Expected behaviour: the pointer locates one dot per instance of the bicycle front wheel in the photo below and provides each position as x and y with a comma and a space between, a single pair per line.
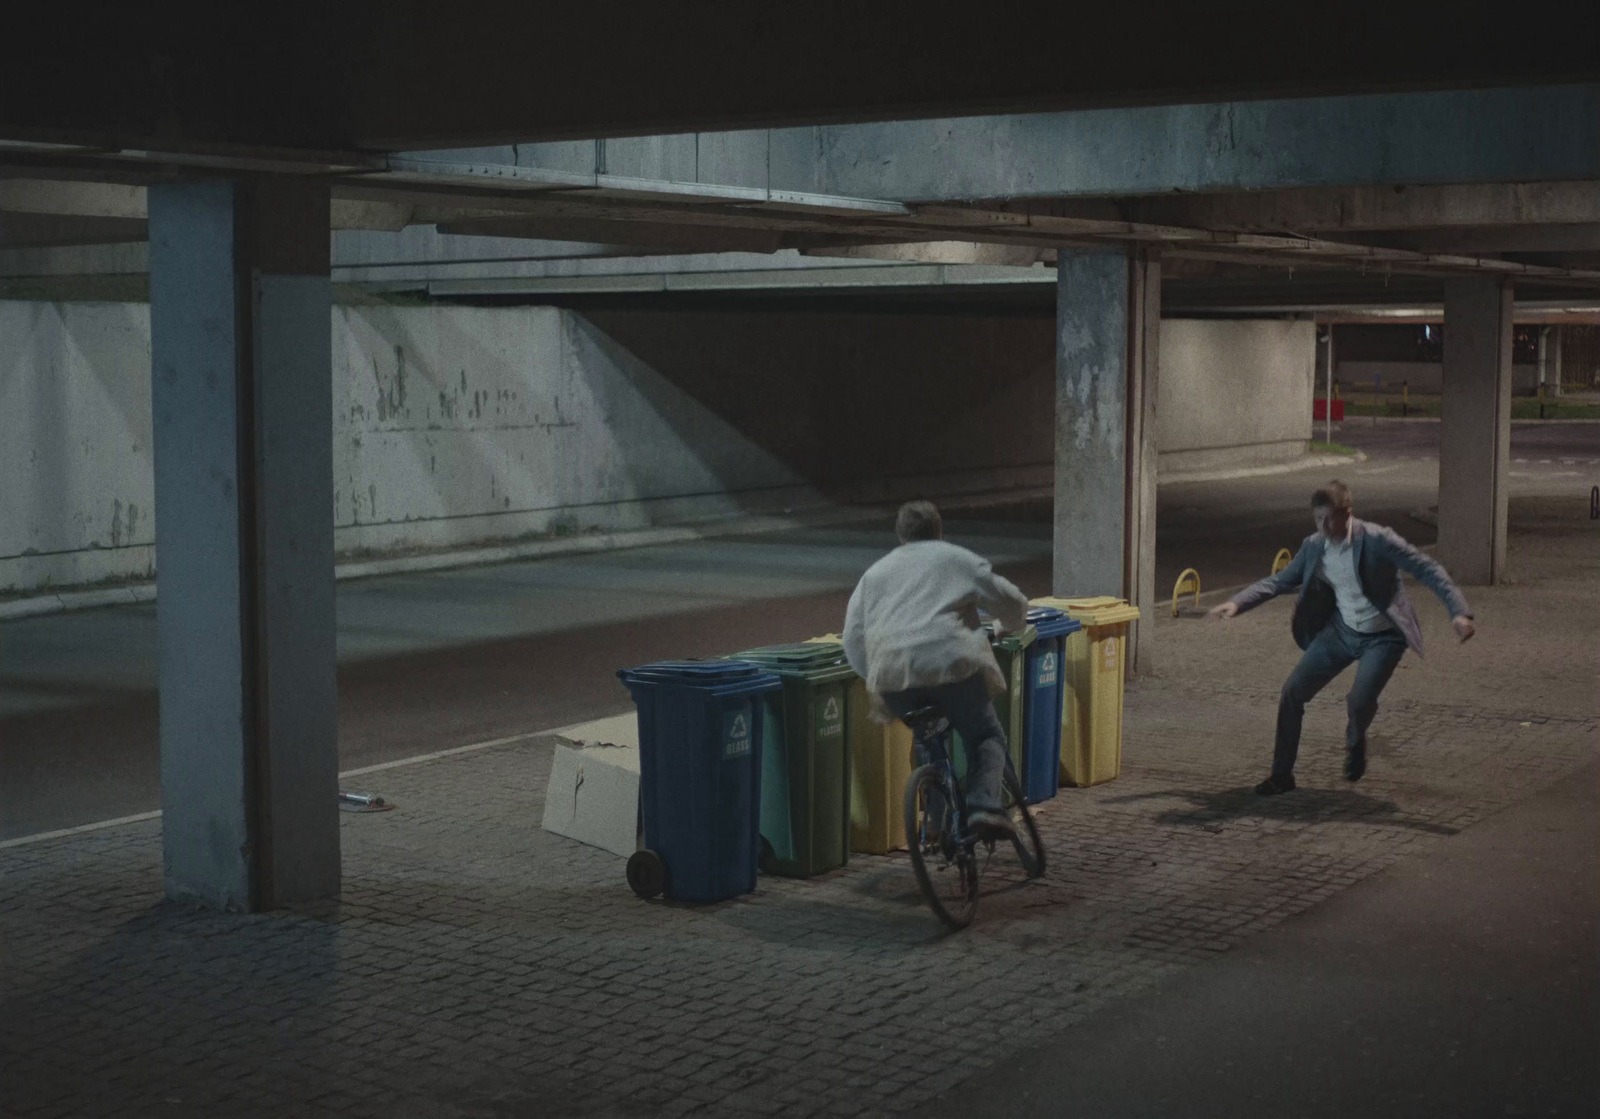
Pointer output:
946, 869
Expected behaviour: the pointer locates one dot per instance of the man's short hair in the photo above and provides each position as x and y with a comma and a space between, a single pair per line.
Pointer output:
1335, 495
918, 520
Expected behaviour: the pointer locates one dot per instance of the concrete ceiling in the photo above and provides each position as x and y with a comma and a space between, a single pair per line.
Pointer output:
1550, 223
389, 75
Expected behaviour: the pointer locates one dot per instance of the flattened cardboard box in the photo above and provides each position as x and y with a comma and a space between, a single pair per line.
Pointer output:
593, 795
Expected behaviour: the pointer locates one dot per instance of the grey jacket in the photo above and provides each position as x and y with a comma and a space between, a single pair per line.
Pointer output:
1380, 555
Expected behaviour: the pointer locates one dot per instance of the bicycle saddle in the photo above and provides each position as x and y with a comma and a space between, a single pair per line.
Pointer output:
923, 716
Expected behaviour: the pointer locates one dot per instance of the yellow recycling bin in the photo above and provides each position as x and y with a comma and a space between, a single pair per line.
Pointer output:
880, 767
1091, 716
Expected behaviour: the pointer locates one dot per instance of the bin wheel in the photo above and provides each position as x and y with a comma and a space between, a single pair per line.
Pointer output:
647, 874
767, 861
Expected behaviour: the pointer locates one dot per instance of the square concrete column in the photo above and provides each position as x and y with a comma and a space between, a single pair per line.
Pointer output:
1475, 429
1108, 319
241, 356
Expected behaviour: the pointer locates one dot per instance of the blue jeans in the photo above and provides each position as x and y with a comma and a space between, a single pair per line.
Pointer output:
1332, 651
967, 705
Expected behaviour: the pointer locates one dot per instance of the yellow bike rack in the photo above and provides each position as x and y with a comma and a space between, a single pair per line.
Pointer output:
1281, 560
1188, 581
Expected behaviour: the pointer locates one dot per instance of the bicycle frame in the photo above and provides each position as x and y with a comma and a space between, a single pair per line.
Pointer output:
933, 747
935, 776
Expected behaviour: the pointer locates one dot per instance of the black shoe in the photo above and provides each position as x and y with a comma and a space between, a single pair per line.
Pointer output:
1277, 783
1355, 764
984, 821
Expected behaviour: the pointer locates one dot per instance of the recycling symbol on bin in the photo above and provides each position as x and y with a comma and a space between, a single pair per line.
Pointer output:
1047, 669
738, 743
832, 725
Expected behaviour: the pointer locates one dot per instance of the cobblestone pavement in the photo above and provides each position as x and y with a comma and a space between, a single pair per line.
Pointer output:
478, 966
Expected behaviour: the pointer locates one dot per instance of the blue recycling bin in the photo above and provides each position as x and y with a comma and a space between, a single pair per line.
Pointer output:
1044, 674
702, 725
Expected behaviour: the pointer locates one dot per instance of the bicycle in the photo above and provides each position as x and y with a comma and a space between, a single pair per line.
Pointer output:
944, 851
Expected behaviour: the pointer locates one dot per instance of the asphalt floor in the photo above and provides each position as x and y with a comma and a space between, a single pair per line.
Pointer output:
1459, 982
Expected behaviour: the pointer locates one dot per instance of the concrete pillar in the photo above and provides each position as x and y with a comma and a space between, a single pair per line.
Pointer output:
241, 358
1544, 347
1475, 429
1108, 319
1555, 378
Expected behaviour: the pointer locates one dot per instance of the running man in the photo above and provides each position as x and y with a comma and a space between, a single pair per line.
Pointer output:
1351, 609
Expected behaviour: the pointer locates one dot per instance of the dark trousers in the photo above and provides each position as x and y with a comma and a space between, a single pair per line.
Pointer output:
1330, 653
971, 712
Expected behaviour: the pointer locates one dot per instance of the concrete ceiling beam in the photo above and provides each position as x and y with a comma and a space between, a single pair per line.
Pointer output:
30, 230
942, 252
1545, 134
1565, 238
351, 213
674, 216
75, 199
1376, 208
645, 237
62, 198
1533, 134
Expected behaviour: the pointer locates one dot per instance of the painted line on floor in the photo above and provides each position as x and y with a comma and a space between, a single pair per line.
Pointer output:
40, 837
415, 759
470, 748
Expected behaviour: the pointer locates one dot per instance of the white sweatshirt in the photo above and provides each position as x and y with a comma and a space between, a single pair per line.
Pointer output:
913, 619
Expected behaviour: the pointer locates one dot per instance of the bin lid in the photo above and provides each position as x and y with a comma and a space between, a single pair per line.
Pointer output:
1101, 611
693, 674
1009, 640
1051, 622
805, 658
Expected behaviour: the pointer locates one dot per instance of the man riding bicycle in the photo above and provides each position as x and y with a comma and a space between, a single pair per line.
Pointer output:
912, 632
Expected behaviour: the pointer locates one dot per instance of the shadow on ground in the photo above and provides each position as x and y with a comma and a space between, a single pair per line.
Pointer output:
1210, 808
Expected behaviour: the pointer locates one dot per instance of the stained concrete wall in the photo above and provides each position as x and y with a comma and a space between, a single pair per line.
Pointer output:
77, 486
456, 425
1234, 393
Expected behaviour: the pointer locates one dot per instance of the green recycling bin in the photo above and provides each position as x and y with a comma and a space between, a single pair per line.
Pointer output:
1010, 653
805, 776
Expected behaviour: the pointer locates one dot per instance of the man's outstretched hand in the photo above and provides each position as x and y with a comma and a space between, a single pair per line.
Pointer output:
1463, 627
1230, 609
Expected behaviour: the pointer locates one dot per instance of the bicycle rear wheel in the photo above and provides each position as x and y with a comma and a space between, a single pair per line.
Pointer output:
1025, 833
946, 870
